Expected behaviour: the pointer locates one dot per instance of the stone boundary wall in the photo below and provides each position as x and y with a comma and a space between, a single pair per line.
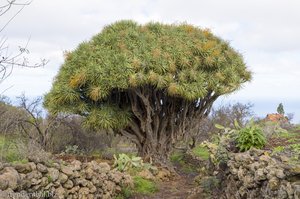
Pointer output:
61, 180
255, 174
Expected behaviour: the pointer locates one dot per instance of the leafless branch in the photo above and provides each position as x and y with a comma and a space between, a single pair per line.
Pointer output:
9, 3
9, 60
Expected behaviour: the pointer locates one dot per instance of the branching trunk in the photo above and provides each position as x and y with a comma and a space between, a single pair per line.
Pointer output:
159, 120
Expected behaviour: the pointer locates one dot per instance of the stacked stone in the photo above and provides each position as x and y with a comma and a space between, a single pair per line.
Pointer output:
255, 174
61, 180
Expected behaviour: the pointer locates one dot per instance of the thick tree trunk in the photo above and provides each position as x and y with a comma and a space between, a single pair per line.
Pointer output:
155, 152
160, 120
155, 149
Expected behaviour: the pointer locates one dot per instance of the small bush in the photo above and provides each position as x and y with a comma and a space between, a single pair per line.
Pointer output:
125, 193
278, 149
293, 140
124, 162
201, 152
271, 128
10, 151
143, 186
295, 148
250, 136
49, 179
176, 157
209, 183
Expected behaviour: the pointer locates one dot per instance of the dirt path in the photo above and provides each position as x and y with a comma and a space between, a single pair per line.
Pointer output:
183, 186
178, 188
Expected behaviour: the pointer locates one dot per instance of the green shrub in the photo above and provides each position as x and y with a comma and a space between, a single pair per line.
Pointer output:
295, 148
201, 152
271, 128
209, 183
250, 136
49, 179
278, 149
293, 140
218, 152
176, 157
10, 152
96, 153
126, 192
144, 186
284, 134
124, 162
141, 186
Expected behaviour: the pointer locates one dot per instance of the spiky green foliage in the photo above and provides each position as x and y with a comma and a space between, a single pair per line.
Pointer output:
151, 82
250, 136
144, 186
186, 61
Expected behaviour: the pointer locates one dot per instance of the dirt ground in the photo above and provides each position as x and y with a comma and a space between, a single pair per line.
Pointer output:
175, 189
178, 188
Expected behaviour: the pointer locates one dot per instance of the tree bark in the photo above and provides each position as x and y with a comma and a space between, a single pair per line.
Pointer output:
159, 121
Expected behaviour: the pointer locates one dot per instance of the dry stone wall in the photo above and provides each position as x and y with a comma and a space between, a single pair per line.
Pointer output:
61, 180
255, 174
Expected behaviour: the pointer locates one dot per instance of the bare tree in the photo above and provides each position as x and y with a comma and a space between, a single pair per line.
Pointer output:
224, 115
40, 131
290, 116
7, 5
9, 117
8, 59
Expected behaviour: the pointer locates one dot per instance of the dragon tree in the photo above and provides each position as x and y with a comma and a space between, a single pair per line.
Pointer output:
152, 83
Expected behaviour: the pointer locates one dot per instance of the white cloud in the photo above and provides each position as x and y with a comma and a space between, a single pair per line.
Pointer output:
265, 32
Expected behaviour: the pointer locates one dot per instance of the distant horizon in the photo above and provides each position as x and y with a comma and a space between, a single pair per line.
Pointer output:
263, 107
260, 107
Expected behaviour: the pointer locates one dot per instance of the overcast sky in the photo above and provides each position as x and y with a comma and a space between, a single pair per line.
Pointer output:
266, 32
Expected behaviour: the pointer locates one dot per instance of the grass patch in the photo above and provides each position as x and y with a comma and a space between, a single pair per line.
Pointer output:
293, 140
288, 135
96, 153
125, 193
201, 152
296, 128
21, 161
187, 168
294, 160
209, 184
176, 157
278, 149
295, 148
9, 151
284, 135
133, 171
143, 186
